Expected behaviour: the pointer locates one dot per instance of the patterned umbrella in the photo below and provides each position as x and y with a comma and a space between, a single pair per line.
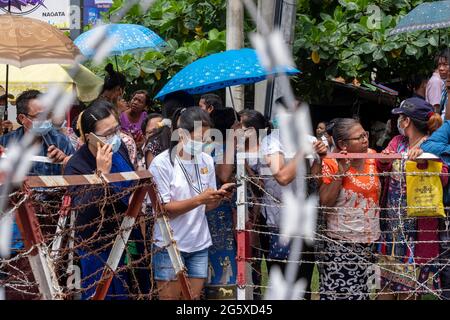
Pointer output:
26, 41
221, 70
427, 16
129, 38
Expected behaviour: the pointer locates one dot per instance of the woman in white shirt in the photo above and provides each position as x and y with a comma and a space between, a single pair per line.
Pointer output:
186, 181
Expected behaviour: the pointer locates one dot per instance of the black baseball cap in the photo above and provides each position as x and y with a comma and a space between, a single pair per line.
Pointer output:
416, 108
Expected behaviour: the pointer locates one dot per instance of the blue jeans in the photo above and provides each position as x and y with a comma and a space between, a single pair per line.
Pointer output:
196, 264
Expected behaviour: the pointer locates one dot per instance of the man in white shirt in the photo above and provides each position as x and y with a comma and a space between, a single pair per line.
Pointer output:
435, 85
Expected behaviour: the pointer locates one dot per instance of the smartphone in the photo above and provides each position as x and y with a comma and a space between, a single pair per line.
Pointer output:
93, 139
228, 186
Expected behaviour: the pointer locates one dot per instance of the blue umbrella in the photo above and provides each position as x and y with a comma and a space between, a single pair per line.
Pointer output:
221, 70
130, 38
427, 16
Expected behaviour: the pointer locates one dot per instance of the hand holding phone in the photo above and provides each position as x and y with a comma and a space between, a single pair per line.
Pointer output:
226, 190
93, 139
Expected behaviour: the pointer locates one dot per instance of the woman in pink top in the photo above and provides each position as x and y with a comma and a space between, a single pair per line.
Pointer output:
131, 119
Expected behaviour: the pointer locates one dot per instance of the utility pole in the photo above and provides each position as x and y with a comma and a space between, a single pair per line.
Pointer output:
235, 40
287, 28
266, 10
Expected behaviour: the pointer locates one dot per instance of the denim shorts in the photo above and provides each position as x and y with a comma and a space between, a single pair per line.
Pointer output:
196, 264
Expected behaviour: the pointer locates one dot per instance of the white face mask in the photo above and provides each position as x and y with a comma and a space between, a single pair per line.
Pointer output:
400, 129
193, 147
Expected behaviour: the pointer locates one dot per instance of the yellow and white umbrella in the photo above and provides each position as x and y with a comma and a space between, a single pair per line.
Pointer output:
42, 76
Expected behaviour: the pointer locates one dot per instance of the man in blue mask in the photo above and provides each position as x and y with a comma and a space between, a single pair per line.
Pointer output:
54, 145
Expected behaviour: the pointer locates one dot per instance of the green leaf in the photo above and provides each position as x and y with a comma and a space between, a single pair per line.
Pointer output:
411, 50
388, 46
215, 46
173, 44
368, 47
433, 41
213, 34
148, 67
378, 55
422, 42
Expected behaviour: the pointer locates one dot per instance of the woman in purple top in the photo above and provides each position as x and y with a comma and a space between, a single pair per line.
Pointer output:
131, 119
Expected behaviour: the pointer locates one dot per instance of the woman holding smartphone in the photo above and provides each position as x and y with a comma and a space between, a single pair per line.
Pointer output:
186, 180
103, 152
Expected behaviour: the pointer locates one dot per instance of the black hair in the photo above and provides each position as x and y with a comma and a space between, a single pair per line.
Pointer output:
224, 119
176, 100
145, 93
443, 54
98, 110
417, 80
23, 99
255, 119
149, 117
185, 119
330, 125
113, 79
212, 99
341, 127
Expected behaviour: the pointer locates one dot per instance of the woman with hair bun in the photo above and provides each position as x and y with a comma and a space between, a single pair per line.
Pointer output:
113, 86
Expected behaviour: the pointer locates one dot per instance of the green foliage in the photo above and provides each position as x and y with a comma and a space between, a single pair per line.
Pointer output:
350, 39
193, 29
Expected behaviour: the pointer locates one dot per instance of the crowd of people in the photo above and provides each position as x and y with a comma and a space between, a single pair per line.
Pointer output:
364, 213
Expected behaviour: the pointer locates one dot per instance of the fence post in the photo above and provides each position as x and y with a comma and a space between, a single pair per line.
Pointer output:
119, 244
40, 261
172, 249
244, 292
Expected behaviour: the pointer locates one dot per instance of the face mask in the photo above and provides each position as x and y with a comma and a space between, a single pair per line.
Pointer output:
63, 125
193, 147
276, 123
41, 128
115, 143
400, 129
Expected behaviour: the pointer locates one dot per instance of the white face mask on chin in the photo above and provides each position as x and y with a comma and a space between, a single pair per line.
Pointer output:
400, 129
193, 147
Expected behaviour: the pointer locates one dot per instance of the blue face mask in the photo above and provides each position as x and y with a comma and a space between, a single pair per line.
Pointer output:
115, 143
41, 128
276, 123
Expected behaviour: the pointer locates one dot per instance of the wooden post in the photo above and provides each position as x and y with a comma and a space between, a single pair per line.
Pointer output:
120, 243
235, 40
163, 223
287, 28
40, 261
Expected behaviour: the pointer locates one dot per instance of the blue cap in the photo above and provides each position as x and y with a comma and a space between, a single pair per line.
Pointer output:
416, 108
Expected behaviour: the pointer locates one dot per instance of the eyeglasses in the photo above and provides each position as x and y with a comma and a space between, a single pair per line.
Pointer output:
109, 133
361, 138
33, 116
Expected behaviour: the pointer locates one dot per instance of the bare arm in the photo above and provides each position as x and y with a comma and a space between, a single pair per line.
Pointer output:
210, 198
288, 172
328, 193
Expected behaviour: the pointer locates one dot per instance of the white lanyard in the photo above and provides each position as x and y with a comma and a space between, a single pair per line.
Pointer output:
198, 189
